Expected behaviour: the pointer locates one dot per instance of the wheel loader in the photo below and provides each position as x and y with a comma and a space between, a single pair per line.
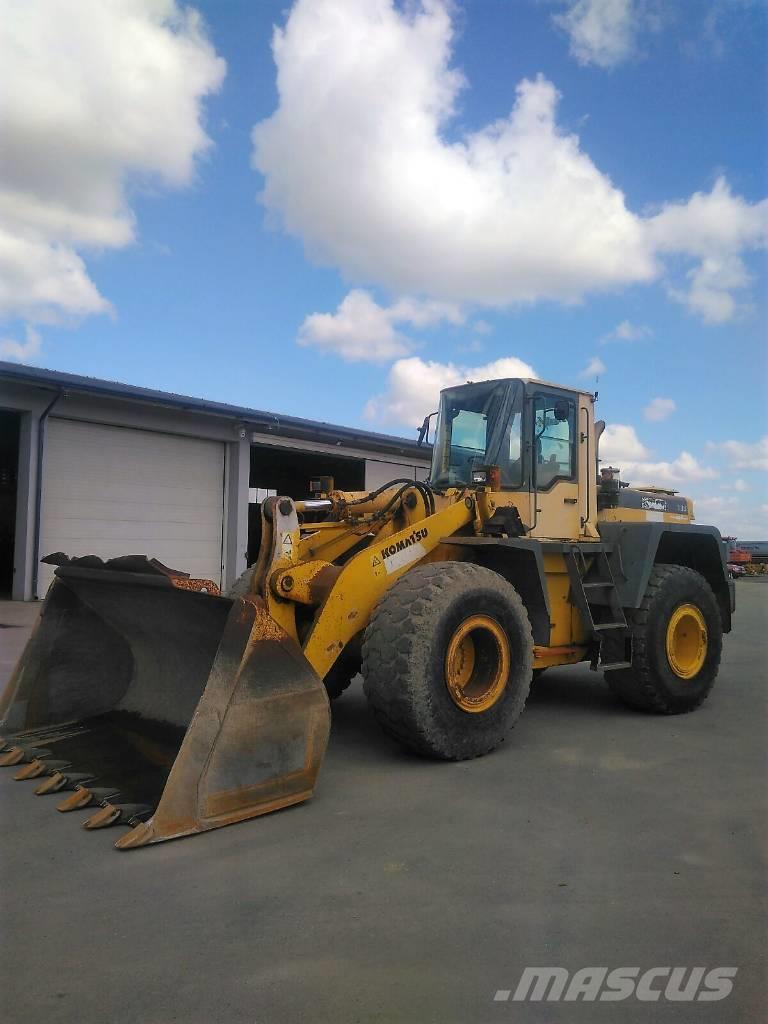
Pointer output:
160, 704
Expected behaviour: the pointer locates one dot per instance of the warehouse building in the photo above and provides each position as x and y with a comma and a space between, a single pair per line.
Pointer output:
95, 467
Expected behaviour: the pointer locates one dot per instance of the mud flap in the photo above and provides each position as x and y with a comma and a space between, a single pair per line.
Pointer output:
176, 710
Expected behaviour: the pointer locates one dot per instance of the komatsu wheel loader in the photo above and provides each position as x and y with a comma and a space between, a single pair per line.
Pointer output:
174, 709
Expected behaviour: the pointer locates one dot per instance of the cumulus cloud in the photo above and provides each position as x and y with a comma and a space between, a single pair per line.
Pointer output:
626, 331
600, 32
620, 446
677, 471
743, 454
732, 515
94, 94
593, 368
619, 443
358, 162
362, 160
21, 351
361, 329
713, 228
413, 386
659, 409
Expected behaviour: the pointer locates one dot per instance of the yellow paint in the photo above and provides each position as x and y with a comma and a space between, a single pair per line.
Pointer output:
640, 515
568, 511
367, 576
477, 664
686, 641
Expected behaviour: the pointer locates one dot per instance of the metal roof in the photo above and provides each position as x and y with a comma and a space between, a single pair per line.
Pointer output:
257, 420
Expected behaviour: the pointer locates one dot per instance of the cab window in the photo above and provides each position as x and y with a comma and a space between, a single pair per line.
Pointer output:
554, 427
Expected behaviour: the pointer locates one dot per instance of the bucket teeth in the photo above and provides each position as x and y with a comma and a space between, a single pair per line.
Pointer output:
14, 756
18, 754
63, 780
108, 814
112, 814
84, 796
31, 770
52, 784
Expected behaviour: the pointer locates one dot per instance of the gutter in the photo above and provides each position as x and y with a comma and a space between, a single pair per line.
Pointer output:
39, 490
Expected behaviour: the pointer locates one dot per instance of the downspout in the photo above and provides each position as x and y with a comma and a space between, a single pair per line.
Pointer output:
39, 491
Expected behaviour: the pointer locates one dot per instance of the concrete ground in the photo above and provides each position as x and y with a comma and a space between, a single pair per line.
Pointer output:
410, 891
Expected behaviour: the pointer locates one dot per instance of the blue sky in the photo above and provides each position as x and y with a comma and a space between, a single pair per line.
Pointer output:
433, 189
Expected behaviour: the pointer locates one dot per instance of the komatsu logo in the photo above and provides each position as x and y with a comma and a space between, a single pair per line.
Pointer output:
406, 542
400, 553
654, 504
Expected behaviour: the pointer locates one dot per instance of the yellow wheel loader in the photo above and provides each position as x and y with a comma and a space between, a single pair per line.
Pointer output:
165, 706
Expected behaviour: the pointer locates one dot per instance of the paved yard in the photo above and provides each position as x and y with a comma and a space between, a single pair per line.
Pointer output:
411, 891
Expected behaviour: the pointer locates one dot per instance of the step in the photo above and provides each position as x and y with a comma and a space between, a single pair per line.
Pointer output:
600, 626
609, 666
599, 584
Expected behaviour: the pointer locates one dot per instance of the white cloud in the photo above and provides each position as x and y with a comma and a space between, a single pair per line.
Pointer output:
620, 446
357, 162
593, 368
659, 409
482, 327
413, 386
21, 351
619, 443
742, 454
94, 94
678, 471
601, 32
362, 159
732, 515
361, 329
626, 331
713, 228
737, 485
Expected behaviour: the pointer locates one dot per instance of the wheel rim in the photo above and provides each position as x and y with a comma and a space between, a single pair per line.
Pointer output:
477, 664
686, 641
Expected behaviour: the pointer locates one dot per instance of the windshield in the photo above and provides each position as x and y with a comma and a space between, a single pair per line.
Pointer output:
478, 425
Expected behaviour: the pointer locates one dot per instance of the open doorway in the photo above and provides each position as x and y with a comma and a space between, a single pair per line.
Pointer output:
9, 471
285, 471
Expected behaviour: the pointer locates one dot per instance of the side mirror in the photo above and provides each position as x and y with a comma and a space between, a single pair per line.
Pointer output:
424, 429
561, 411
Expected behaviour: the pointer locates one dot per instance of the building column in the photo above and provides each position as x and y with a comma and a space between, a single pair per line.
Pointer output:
24, 544
238, 471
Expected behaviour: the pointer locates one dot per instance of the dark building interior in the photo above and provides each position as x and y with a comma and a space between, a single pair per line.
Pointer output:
289, 472
9, 466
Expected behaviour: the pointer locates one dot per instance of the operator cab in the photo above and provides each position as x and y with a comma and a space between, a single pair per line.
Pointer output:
526, 428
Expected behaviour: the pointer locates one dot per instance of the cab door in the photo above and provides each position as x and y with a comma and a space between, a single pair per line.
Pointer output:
556, 501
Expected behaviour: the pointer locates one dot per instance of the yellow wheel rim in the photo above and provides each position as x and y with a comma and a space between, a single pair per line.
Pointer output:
686, 641
477, 664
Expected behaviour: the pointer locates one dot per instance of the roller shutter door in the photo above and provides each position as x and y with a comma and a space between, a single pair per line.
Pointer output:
113, 490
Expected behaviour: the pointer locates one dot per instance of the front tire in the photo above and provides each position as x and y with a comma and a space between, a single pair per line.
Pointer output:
677, 640
447, 660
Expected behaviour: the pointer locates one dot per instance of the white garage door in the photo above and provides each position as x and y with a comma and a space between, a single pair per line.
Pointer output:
114, 491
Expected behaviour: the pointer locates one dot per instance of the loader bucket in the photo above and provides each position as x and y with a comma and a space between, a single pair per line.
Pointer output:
165, 709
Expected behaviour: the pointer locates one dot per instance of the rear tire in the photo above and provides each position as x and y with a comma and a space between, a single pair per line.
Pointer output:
448, 622
342, 672
677, 639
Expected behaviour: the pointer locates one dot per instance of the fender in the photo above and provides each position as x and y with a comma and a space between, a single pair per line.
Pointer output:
521, 562
637, 547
